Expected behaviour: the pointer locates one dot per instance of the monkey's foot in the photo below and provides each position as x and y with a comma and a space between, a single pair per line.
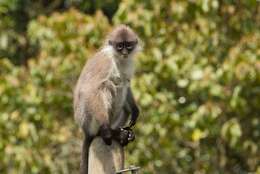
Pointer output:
106, 134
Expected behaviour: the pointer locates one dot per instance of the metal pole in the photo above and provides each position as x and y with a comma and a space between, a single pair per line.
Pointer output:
132, 169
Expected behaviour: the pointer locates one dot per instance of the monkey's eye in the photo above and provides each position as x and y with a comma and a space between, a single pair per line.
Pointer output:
129, 47
119, 46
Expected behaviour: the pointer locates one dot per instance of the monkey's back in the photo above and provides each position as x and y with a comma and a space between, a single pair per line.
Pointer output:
93, 75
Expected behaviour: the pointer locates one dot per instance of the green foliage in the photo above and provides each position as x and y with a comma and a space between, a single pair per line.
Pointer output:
36, 122
16, 15
197, 83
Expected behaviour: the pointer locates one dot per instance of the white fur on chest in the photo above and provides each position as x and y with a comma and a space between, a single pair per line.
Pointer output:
122, 68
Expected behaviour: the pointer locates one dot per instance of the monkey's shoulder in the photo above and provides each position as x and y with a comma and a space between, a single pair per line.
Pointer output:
97, 67
101, 61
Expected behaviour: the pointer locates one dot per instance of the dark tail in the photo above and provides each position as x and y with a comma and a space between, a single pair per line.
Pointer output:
84, 155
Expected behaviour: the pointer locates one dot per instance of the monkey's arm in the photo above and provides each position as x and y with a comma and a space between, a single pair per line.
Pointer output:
132, 107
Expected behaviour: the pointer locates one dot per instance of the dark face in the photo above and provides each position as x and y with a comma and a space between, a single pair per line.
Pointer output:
123, 40
123, 47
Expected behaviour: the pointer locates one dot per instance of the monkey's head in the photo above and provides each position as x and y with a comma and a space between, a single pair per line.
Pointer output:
124, 41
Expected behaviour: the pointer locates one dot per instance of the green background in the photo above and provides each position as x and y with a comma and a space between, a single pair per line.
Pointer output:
197, 83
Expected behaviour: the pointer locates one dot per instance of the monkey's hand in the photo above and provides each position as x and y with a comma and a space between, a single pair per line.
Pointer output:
131, 135
106, 134
124, 136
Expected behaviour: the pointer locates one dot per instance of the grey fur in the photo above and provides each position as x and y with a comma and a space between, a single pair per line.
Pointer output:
102, 95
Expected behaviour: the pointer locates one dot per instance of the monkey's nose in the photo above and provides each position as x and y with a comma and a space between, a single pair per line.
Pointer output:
124, 52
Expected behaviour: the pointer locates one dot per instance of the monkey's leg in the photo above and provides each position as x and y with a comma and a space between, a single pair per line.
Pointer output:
106, 133
99, 108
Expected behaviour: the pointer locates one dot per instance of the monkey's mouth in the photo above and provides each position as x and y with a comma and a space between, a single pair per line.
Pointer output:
124, 56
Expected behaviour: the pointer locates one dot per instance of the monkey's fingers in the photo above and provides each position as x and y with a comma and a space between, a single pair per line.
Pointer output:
131, 136
126, 137
130, 133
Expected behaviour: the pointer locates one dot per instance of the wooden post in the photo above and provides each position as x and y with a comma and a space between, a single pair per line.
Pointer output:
104, 159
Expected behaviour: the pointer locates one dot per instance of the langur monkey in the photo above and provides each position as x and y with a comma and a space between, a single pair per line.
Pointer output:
103, 99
